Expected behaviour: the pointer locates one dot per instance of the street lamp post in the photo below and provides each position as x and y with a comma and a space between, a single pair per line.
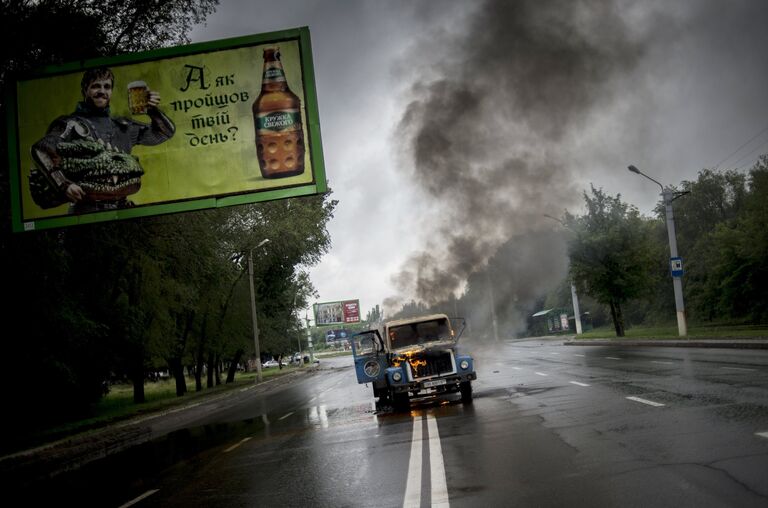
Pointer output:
576, 311
574, 295
253, 311
493, 309
668, 195
309, 344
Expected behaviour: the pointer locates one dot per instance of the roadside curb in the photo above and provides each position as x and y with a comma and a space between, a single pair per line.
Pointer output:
699, 343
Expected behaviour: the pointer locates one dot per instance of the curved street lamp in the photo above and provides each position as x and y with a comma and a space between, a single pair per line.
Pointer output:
676, 262
253, 310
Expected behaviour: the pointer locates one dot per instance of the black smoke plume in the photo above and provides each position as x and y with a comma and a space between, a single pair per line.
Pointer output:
486, 128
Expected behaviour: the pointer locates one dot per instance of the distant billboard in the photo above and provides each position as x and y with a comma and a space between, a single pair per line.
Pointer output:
334, 313
176, 129
336, 335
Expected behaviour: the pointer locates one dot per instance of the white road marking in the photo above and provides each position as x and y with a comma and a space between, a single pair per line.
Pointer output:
738, 368
612, 358
236, 445
554, 353
662, 363
439, 493
143, 496
517, 368
646, 401
437, 467
541, 374
413, 485
762, 434
318, 416
577, 383
578, 354
285, 416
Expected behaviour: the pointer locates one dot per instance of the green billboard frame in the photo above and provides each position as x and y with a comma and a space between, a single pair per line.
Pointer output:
317, 185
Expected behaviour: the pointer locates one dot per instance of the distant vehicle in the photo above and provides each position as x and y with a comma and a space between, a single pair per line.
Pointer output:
413, 358
269, 363
297, 358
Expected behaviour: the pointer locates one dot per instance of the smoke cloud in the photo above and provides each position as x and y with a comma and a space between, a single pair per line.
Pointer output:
487, 130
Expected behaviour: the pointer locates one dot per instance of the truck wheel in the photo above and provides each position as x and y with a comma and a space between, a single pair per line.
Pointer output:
400, 401
465, 387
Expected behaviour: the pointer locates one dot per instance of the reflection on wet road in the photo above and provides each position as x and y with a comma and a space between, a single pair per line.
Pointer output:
550, 426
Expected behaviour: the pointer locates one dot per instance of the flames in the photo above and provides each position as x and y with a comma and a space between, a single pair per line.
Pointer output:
409, 357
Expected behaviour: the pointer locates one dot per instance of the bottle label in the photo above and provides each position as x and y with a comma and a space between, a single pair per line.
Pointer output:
273, 74
278, 121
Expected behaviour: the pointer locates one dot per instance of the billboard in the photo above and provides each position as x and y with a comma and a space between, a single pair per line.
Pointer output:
336, 335
206, 125
334, 313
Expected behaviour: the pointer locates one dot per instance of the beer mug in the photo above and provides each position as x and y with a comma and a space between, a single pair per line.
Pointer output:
138, 97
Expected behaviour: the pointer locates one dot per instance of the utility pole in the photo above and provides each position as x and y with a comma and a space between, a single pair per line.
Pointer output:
254, 323
309, 342
493, 309
576, 313
676, 262
574, 295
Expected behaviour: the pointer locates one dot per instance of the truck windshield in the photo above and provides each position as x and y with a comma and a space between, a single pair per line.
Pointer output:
413, 334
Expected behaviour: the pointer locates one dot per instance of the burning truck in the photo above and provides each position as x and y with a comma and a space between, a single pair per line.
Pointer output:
413, 358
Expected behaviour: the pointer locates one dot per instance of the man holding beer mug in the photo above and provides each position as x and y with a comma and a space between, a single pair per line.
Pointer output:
85, 156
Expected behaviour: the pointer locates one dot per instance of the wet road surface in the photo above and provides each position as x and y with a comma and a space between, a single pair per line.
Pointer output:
551, 425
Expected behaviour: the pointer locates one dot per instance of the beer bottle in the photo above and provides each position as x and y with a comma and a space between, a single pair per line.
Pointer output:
277, 119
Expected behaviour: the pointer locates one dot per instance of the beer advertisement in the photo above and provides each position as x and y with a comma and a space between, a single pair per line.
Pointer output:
334, 313
206, 125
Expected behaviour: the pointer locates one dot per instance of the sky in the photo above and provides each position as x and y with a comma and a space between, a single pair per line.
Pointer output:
450, 128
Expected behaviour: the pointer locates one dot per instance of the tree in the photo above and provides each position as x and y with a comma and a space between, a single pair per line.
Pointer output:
715, 198
118, 298
613, 256
736, 260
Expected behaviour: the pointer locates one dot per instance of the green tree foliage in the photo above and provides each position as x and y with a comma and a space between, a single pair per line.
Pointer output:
139, 25
712, 200
732, 271
714, 197
64, 333
612, 253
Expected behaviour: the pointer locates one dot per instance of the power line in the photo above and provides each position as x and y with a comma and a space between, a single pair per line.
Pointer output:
753, 151
752, 160
742, 146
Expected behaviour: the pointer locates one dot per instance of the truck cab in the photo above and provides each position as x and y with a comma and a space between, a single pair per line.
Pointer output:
411, 358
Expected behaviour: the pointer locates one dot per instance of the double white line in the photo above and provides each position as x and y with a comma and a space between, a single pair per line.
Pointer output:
439, 494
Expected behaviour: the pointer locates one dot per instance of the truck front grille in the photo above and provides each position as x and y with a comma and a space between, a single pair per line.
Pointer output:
431, 364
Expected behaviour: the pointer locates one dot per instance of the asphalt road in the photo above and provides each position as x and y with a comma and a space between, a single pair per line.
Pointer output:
551, 425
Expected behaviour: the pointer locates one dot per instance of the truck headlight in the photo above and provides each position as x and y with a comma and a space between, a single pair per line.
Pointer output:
397, 376
464, 364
